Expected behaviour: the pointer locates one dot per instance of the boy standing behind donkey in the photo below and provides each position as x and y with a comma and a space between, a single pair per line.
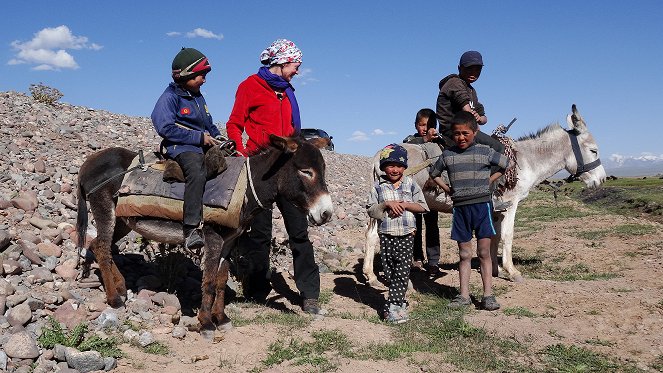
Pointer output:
394, 199
468, 164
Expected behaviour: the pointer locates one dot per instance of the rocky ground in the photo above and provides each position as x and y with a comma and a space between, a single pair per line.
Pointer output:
593, 280
44, 148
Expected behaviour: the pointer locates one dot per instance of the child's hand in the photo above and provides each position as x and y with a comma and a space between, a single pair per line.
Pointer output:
431, 134
208, 140
394, 208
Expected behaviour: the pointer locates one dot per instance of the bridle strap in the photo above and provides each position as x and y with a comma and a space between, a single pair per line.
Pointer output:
582, 166
251, 183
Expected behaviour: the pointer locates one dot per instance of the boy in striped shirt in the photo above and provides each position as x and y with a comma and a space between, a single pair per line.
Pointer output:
468, 165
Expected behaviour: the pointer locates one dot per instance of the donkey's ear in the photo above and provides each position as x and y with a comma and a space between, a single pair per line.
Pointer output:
288, 145
320, 142
575, 121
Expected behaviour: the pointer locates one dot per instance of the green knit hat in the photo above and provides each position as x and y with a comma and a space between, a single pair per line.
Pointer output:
188, 64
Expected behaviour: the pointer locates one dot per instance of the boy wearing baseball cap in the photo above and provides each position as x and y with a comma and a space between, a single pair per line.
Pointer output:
457, 94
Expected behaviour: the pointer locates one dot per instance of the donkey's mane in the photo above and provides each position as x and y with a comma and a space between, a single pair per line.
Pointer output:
550, 128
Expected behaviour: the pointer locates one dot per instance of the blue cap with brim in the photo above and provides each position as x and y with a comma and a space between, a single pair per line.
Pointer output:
471, 58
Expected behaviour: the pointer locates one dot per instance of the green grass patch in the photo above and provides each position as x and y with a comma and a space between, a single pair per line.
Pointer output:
599, 342
548, 213
592, 235
537, 267
78, 338
564, 358
315, 354
627, 230
629, 197
157, 348
657, 363
287, 319
519, 312
325, 296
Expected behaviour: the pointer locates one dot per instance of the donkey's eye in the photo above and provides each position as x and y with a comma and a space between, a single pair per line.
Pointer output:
307, 173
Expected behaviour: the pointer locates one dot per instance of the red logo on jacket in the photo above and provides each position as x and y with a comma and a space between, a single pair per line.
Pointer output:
185, 111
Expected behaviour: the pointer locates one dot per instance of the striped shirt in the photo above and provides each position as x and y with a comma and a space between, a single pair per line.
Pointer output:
469, 172
408, 191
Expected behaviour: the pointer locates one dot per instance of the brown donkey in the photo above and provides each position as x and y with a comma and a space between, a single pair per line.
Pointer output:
290, 167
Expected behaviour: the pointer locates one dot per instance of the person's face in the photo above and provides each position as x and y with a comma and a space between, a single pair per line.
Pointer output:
470, 74
394, 172
463, 135
289, 70
422, 126
193, 85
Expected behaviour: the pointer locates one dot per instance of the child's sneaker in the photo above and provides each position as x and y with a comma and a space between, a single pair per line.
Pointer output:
395, 314
489, 303
460, 302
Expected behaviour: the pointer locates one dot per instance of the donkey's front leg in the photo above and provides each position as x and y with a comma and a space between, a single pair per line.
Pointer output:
219, 307
372, 241
507, 231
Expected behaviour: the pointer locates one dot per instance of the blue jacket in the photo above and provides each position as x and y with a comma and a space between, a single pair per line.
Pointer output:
181, 119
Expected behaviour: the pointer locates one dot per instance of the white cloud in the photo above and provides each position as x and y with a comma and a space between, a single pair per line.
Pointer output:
48, 49
358, 136
173, 33
379, 132
203, 33
304, 76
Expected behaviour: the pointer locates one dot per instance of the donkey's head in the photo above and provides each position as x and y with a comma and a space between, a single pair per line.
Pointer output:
301, 178
584, 162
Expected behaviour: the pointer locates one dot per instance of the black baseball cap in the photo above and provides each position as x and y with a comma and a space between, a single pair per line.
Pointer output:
471, 58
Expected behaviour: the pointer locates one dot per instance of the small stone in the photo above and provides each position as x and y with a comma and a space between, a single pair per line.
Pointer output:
19, 315
179, 332
86, 361
26, 201
21, 346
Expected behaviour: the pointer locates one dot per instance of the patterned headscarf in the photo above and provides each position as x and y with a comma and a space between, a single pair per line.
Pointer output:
281, 51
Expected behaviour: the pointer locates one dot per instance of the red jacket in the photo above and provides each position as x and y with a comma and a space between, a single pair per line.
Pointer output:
260, 112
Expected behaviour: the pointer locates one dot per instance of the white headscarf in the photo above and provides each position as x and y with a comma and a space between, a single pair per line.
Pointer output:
281, 51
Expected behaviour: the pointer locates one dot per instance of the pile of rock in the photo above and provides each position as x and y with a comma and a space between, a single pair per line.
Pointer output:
44, 148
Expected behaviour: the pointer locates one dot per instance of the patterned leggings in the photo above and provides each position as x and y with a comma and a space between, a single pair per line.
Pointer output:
396, 256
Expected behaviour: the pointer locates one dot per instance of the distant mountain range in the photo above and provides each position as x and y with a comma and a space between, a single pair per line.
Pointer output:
630, 166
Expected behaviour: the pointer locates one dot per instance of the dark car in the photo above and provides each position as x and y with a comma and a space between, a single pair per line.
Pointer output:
312, 133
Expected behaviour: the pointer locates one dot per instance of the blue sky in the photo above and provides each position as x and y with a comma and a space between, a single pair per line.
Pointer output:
368, 65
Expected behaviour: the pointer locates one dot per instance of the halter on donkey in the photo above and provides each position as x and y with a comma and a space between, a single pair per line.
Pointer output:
538, 157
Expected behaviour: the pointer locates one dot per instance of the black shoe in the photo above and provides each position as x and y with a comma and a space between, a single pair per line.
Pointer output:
194, 240
312, 306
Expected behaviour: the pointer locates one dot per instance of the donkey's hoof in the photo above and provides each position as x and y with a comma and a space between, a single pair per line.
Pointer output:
373, 282
207, 334
225, 326
116, 302
518, 278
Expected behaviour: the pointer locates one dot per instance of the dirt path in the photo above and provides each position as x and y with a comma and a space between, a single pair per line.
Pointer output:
594, 281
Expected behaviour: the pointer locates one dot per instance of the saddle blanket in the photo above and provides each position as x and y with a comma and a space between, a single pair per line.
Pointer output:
144, 193
218, 191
